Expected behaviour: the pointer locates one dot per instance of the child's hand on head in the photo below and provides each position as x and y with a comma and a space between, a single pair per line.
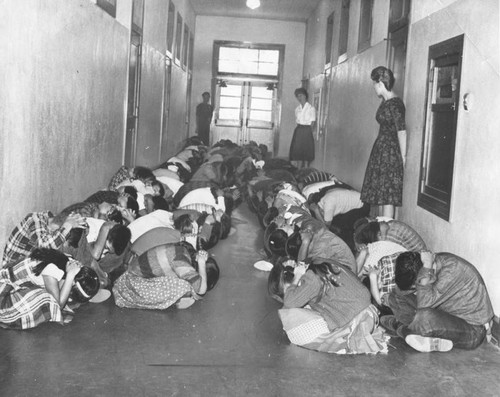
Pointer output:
73, 268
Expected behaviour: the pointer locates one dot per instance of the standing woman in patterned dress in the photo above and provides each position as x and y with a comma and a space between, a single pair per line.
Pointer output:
302, 146
383, 184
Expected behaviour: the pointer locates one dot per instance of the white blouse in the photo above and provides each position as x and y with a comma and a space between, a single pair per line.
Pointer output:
305, 115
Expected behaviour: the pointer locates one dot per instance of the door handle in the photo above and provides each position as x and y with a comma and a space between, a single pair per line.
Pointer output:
241, 123
246, 124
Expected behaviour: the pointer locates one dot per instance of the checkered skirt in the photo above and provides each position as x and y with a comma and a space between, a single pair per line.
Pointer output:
24, 304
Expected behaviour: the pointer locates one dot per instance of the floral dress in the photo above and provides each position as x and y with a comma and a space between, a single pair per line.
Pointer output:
383, 184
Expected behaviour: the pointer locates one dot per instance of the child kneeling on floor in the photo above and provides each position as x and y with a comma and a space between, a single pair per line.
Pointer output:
164, 275
326, 308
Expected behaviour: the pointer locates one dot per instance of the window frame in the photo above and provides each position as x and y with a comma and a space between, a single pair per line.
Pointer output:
396, 23
178, 39
365, 43
191, 52
330, 26
138, 16
255, 46
185, 47
171, 27
439, 204
109, 6
345, 11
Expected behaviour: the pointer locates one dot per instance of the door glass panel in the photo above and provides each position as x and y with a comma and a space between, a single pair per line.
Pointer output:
230, 102
441, 152
438, 152
229, 114
262, 92
132, 79
446, 84
262, 104
261, 115
231, 90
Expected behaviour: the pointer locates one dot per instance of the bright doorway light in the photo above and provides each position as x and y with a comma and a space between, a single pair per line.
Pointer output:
253, 4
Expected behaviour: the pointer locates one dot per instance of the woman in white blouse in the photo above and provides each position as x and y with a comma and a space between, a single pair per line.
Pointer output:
302, 146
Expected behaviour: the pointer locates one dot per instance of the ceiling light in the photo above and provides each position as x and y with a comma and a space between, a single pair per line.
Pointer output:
253, 4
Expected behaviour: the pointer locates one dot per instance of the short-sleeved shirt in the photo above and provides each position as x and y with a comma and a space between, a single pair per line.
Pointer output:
316, 187
202, 196
158, 218
305, 115
173, 184
339, 201
387, 275
50, 270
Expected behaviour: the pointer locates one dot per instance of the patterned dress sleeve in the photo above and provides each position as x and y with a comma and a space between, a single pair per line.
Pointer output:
397, 109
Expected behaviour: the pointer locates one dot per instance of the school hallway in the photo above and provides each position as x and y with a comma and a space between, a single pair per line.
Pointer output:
91, 86
229, 344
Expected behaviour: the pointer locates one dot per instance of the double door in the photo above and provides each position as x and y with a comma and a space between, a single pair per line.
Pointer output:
246, 111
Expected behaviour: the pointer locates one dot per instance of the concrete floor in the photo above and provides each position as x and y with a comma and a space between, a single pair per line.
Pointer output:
229, 344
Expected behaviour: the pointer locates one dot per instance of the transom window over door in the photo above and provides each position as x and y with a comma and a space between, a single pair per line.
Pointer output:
443, 92
248, 61
246, 92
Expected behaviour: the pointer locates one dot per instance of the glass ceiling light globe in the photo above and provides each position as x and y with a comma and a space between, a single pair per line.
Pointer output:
253, 4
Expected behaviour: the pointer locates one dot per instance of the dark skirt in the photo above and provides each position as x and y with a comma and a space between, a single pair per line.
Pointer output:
302, 146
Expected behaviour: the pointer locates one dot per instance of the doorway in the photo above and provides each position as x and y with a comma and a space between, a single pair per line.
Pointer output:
398, 38
134, 81
246, 91
246, 111
167, 84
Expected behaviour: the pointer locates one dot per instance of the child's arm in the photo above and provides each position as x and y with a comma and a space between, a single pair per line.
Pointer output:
202, 257
61, 295
374, 286
306, 237
361, 259
97, 248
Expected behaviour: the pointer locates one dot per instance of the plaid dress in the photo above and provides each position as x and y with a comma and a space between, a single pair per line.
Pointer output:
24, 303
32, 232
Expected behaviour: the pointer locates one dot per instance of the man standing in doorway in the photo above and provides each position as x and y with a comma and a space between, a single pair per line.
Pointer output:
204, 112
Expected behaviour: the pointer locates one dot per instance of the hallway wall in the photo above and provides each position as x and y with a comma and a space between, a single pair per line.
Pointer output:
291, 34
473, 229
64, 78
149, 137
351, 127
